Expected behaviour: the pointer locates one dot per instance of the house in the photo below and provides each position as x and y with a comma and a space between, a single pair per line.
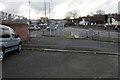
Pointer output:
98, 19
18, 23
116, 19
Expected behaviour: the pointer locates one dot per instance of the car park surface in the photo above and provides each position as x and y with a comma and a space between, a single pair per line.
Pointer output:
40, 64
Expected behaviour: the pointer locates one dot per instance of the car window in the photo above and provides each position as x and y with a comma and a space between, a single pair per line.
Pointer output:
6, 32
1, 32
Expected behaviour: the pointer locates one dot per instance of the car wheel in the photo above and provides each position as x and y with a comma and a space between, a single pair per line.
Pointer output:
2, 54
19, 47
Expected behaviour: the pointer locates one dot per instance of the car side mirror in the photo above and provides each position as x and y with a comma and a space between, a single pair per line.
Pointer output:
17, 36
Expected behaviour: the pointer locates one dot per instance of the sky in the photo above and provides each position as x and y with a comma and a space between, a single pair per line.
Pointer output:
58, 8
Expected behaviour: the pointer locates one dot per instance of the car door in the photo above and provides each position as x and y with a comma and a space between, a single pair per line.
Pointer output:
1, 33
14, 40
6, 39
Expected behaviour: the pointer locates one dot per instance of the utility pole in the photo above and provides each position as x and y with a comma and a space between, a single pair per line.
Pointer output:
29, 21
109, 26
1, 16
49, 13
49, 16
45, 7
49, 10
29, 12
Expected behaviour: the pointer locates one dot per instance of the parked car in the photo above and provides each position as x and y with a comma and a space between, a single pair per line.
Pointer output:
69, 24
34, 27
53, 28
117, 28
9, 41
43, 24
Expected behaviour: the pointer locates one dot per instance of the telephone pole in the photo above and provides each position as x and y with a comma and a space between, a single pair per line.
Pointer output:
29, 21
45, 7
49, 10
29, 12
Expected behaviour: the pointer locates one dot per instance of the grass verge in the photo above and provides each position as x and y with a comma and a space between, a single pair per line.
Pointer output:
61, 35
116, 40
69, 51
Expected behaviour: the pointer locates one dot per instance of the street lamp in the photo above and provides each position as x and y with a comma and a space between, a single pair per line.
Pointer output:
29, 21
49, 10
45, 7
1, 17
29, 12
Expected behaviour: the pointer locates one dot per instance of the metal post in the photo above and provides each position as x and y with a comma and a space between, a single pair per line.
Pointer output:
29, 13
49, 18
1, 17
49, 10
50, 31
45, 7
108, 27
29, 22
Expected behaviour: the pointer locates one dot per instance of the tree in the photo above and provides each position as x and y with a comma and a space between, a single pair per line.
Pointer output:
102, 12
119, 7
71, 14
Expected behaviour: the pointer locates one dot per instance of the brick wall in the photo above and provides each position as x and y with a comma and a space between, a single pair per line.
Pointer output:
20, 29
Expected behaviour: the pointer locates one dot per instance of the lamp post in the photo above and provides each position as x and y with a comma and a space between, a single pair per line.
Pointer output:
1, 17
49, 18
109, 25
45, 7
49, 10
29, 22
29, 13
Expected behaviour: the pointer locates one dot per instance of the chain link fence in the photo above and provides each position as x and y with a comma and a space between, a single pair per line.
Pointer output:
83, 34
106, 35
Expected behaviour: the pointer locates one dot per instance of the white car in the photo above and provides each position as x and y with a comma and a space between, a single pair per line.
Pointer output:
48, 28
9, 41
43, 24
34, 27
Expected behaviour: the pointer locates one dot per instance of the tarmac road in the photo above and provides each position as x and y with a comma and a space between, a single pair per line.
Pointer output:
35, 64
75, 44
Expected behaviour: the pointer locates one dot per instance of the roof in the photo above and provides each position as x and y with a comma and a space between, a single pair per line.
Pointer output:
3, 26
117, 17
98, 18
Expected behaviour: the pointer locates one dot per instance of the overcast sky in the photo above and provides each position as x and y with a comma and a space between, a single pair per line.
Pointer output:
58, 8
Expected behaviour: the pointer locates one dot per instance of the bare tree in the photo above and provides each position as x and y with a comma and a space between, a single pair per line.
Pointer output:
102, 12
68, 15
119, 7
71, 14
